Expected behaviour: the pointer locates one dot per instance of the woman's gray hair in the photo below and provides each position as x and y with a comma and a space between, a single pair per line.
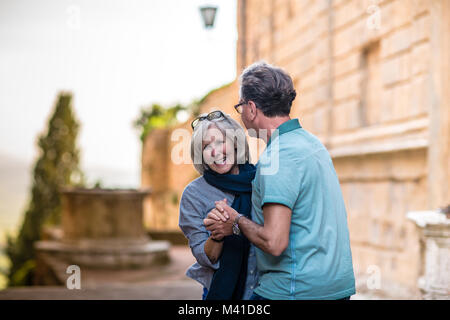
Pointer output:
269, 87
230, 129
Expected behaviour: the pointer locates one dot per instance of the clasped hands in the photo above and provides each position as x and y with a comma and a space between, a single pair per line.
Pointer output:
220, 220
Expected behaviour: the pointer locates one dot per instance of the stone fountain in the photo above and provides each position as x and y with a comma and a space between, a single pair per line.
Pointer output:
103, 228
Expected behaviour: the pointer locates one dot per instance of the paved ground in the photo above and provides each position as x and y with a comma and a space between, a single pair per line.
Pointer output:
167, 282
158, 283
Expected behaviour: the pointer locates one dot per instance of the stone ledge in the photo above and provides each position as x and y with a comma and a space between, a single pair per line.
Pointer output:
363, 149
381, 131
174, 237
103, 255
425, 218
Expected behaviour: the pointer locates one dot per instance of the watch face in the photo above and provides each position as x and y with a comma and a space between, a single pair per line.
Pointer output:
236, 230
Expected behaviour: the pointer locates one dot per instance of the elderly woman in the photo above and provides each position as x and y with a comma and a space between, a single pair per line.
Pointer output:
226, 267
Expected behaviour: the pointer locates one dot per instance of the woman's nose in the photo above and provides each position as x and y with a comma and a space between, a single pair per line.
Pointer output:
213, 152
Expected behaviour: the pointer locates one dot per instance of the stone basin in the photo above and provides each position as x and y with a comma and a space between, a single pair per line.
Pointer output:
103, 228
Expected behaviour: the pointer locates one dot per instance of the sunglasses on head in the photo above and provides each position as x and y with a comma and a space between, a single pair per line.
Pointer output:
210, 116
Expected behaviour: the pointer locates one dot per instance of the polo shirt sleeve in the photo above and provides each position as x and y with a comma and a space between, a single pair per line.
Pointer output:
281, 185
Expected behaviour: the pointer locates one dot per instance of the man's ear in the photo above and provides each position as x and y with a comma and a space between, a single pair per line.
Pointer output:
253, 110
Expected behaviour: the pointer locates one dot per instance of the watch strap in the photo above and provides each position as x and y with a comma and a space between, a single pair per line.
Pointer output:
236, 229
236, 220
219, 241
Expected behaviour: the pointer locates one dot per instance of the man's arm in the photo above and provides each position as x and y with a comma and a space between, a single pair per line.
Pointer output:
272, 237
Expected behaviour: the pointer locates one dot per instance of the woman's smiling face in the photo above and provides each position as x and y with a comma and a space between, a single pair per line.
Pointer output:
218, 152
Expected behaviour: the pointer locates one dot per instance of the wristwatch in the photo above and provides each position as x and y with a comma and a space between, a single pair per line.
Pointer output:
236, 230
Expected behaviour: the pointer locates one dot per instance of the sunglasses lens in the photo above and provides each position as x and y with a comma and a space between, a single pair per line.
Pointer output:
214, 115
210, 116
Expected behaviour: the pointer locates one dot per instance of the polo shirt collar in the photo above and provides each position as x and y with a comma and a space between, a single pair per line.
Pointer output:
286, 127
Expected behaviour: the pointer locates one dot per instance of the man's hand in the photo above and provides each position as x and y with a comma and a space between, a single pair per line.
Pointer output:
219, 229
220, 220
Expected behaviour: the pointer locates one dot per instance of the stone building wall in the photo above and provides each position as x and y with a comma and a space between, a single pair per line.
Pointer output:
372, 81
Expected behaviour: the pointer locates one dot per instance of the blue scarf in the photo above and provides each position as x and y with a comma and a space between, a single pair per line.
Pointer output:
228, 282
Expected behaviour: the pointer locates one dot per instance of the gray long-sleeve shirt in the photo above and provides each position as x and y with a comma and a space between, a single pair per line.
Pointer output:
196, 202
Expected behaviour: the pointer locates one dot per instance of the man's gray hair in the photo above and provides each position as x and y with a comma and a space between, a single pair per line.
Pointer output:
269, 87
230, 129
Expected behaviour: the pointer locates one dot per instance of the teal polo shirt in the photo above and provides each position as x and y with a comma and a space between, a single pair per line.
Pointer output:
296, 170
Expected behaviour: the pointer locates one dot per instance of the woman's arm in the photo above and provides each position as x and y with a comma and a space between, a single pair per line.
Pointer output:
213, 249
190, 223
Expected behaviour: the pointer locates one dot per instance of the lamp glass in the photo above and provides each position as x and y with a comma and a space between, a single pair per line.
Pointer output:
208, 15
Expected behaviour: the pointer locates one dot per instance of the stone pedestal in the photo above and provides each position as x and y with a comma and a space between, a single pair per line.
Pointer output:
103, 228
435, 233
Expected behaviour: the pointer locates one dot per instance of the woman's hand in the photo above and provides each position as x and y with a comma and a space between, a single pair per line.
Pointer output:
218, 213
225, 210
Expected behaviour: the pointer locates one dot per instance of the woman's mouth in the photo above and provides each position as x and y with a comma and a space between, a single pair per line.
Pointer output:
220, 162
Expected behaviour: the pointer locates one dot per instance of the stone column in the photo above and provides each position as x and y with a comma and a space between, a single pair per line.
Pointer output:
434, 226
155, 175
439, 129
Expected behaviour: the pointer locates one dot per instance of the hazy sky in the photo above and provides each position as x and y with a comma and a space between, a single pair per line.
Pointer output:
115, 56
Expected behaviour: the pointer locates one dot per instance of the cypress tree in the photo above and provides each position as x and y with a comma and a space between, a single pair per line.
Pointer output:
57, 166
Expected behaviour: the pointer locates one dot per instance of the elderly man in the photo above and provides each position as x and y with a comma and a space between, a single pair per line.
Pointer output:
300, 223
